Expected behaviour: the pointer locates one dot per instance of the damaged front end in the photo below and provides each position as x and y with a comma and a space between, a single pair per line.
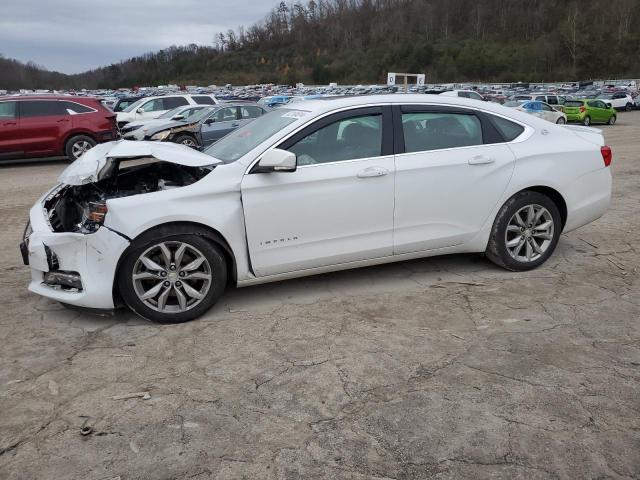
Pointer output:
74, 260
83, 208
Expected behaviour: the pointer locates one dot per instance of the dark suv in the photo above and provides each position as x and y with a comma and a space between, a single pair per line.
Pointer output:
46, 126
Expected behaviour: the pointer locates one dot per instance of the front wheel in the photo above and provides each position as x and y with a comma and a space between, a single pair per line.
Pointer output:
172, 279
612, 120
561, 121
525, 232
187, 140
587, 121
628, 107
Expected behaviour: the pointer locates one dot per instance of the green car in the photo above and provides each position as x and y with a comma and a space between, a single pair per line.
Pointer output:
589, 111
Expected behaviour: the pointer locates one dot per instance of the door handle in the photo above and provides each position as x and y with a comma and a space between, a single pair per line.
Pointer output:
8, 124
235, 124
481, 160
63, 120
371, 172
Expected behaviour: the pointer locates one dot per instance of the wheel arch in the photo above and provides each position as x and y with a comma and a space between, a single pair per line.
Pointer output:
173, 228
554, 195
76, 133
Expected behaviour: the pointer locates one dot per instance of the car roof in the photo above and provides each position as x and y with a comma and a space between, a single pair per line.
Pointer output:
319, 107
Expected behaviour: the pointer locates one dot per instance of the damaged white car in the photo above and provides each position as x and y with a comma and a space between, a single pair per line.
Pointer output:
328, 185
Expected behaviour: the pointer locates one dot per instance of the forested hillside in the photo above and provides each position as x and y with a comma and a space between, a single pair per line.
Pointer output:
358, 41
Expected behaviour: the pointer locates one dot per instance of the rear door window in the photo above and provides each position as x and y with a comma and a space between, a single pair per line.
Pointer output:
435, 131
41, 108
173, 102
8, 110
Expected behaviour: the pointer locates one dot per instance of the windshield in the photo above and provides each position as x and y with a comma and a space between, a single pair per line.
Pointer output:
134, 105
573, 103
172, 113
198, 114
242, 141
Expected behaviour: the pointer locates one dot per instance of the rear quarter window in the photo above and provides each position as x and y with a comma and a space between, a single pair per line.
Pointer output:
508, 129
73, 108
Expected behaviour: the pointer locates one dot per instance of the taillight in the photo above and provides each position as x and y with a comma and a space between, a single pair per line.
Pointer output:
607, 155
583, 109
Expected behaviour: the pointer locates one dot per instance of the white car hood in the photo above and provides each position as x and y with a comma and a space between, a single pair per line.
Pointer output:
88, 168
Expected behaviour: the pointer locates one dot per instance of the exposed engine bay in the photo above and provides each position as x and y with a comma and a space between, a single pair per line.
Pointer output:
82, 208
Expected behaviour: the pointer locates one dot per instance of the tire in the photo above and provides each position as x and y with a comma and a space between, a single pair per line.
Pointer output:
186, 140
498, 249
612, 120
173, 296
628, 107
78, 145
586, 121
561, 121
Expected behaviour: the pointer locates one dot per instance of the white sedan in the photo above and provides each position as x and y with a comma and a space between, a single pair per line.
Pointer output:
314, 187
539, 109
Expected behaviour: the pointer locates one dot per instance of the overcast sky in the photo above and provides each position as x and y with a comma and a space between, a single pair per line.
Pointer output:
72, 36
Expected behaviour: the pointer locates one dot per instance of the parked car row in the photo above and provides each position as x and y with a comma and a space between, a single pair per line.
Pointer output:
175, 114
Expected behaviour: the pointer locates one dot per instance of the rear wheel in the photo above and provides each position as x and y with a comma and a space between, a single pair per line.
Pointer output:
525, 232
78, 145
587, 121
173, 279
561, 121
628, 107
612, 120
187, 140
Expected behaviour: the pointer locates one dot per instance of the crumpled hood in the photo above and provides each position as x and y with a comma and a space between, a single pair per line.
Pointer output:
88, 168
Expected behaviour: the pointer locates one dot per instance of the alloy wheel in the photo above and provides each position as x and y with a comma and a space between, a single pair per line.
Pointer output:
189, 142
529, 233
172, 277
80, 148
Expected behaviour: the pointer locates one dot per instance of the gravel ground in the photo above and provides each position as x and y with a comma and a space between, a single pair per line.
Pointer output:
443, 368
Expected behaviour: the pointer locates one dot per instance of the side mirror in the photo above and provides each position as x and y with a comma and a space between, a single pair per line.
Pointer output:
178, 117
140, 110
209, 121
276, 160
608, 105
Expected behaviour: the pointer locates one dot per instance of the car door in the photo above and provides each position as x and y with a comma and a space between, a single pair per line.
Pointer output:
150, 109
219, 124
336, 208
42, 125
548, 113
452, 167
10, 136
602, 110
534, 108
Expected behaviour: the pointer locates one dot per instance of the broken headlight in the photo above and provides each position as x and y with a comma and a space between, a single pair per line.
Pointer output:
161, 135
93, 215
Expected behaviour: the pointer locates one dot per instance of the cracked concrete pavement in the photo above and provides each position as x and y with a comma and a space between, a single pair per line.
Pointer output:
443, 368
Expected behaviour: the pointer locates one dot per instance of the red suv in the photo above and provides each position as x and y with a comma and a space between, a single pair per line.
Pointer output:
46, 126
